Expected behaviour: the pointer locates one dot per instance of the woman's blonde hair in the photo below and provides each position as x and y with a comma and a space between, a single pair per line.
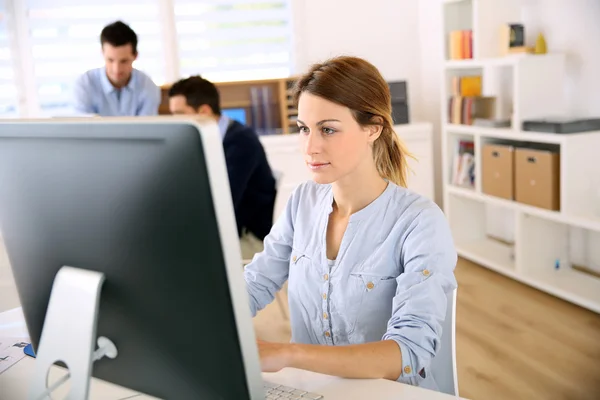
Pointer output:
357, 84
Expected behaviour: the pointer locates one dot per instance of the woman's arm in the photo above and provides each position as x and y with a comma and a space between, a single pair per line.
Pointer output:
269, 269
371, 360
419, 306
414, 329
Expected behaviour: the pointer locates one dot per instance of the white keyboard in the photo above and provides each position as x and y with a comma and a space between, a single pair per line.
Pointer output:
279, 392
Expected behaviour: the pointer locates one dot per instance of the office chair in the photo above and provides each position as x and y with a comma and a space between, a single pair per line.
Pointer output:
278, 175
443, 365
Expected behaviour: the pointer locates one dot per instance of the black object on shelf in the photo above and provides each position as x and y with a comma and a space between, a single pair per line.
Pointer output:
562, 125
399, 93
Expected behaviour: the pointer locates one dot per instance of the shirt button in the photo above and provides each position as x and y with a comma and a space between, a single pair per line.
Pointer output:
324, 296
426, 272
407, 370
294, 258
370, 285
327, 334
326, 277
325, 315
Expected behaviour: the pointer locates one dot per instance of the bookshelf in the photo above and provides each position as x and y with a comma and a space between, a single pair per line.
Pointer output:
267, 99
540, 247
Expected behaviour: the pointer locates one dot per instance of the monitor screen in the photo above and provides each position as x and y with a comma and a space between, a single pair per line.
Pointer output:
238, 114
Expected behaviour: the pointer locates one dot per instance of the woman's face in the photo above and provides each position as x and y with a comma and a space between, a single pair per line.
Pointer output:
333, 143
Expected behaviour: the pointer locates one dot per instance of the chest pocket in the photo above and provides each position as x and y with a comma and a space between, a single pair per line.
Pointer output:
369, 304
301, 268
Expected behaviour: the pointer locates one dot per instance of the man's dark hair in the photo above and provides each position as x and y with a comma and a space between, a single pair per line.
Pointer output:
119, 34
197, 92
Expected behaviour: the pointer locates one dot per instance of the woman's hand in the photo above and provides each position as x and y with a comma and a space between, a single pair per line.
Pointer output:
274, 356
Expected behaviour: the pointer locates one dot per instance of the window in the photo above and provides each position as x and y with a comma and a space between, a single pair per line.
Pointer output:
65, 42
45, 45
8, 87
226, 40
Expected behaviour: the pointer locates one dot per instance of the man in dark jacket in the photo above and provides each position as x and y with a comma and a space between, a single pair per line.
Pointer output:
250, 176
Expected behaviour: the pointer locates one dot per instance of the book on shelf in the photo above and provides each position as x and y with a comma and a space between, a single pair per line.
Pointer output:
465, 109
469, 86
461, 44
463, 173
263, 110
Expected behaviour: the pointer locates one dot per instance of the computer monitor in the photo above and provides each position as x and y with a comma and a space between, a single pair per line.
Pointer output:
238, 114
144, 205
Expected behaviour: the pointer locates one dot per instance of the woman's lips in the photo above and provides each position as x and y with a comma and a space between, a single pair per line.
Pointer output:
315, 166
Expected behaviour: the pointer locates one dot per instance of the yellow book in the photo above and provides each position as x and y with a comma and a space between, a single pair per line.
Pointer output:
470, 86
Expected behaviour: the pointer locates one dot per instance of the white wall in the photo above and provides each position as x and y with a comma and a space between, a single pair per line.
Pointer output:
571, 27
431, 58
382, 31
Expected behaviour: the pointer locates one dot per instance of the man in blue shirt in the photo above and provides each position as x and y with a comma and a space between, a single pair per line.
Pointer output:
250, 177
117, 89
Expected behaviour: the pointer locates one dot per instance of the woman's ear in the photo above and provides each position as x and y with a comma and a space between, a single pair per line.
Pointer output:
375, 129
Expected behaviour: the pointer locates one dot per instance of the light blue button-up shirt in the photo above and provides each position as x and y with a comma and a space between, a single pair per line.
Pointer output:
223, 124
94, 94
389, 281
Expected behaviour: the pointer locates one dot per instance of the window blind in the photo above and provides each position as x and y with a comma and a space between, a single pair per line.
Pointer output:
65, 42
227, 40
8, 87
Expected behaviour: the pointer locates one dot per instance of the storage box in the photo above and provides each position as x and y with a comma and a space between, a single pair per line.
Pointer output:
537, 178
498, 170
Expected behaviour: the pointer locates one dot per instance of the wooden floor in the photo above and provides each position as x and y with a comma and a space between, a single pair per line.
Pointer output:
513, 341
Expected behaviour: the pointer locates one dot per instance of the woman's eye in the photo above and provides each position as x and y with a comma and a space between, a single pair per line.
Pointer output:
328, 131
303, 129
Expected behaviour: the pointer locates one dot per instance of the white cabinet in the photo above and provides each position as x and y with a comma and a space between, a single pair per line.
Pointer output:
418, 139
285, 156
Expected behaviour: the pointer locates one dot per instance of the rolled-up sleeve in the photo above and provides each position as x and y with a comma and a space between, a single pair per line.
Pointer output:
269, 269
429, 257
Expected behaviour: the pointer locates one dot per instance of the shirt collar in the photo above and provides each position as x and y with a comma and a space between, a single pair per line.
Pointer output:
107, 87
224, 121
369, 209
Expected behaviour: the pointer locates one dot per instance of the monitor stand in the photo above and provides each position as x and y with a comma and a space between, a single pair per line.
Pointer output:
69, 332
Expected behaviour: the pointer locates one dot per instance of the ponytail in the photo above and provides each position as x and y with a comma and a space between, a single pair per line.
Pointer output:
390, 154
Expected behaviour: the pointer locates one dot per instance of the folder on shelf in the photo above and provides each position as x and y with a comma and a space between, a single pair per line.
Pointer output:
464, 110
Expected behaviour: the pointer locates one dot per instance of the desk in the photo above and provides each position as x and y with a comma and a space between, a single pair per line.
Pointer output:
14, 382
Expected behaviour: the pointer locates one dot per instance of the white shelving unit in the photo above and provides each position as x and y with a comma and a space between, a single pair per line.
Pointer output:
536, 246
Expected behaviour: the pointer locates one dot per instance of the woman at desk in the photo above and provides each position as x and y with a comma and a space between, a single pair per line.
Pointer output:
368, 261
